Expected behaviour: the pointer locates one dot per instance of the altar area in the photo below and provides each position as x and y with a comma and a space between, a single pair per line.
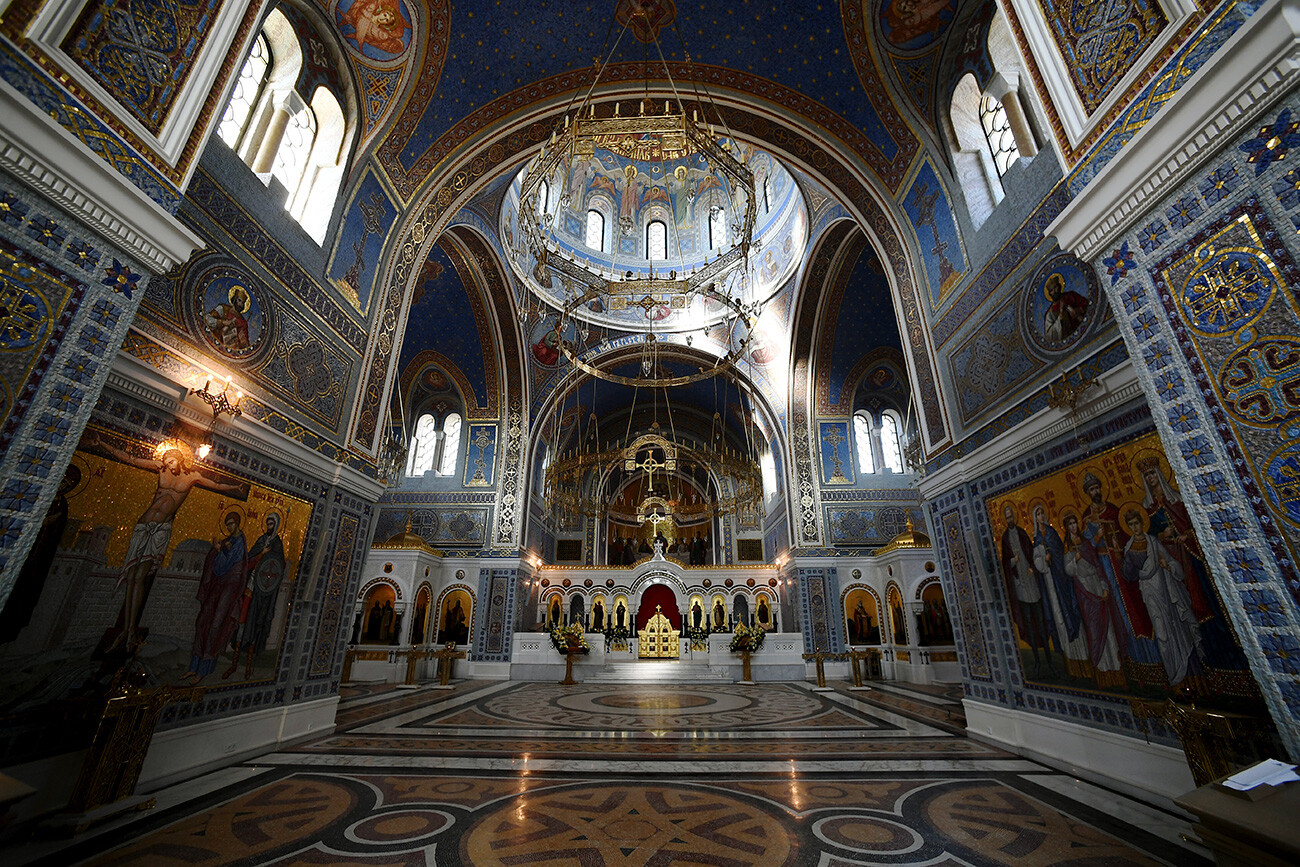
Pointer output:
656, 620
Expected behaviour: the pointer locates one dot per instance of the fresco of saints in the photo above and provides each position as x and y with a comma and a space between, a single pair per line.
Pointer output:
266, 568
1062, 606
152, 533
1066, 310
221, 590
1024, 589
1101, 526
1102, 624
1172, 525
1159, 575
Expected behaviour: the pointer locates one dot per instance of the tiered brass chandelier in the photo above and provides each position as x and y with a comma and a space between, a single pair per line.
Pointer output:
679, 147
572, 480
653, 151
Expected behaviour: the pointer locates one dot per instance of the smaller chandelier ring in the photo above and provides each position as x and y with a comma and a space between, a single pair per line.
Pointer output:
724, 364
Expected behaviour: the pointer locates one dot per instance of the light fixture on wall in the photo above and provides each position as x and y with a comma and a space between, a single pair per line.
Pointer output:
216, 394
1066, 395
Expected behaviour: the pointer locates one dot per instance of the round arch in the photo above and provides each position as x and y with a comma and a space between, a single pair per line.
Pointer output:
776, 126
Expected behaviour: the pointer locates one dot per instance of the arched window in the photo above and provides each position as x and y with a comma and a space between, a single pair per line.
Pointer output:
767, 195
295, 147
450, 445
243, 98
424, 444
717, 228
767, 464
279, 134
596, 230
656, 240
862, 438
543, 197
891, 444
997, 131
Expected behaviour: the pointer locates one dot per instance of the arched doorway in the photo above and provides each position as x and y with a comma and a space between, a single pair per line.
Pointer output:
661, 595
862, 621
420, 620
454, 619
658, 624
380, 619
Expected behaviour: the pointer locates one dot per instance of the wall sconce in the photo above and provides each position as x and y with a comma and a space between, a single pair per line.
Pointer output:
218, 397
1067, 394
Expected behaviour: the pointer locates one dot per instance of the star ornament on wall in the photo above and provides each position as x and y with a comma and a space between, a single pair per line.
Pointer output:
1273, 142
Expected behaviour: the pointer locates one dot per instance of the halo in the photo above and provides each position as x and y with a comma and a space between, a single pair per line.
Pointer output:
1035, 503
248, 298
174, 444
234, 509
1048, 282
1133, 506
83, 480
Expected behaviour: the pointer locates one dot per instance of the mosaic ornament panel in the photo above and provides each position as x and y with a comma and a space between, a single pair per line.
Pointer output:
869, 524
495, 623
357, 252
480, 460
443, 527
68, 304
31, 304
834, 447
967, 629
927, 204
343, 571
1100, 43
1158, 83
141, 51
992, 363
818, 609
1206, 285
1107, 583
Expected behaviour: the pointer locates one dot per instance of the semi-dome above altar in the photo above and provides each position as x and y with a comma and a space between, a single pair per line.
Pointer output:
636, 209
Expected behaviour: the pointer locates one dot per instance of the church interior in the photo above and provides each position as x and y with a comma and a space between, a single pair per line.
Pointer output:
643, 431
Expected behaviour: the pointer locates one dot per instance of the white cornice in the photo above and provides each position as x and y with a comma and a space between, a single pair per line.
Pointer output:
1252, 70
47, 157
133, 377
1118, 386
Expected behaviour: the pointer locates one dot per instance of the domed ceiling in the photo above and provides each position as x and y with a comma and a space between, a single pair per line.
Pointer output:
627, 192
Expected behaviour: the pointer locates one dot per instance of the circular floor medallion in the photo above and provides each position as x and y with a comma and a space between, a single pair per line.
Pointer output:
617, 824
399, 826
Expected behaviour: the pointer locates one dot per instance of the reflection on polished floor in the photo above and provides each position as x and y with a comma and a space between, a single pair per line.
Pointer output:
644, 774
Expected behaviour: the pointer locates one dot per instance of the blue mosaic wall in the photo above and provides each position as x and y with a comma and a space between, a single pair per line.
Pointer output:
1203, 287
68, 299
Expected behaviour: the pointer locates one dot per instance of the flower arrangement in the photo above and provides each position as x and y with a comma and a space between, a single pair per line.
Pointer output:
747, 638
699, 637
570, 639
617, 637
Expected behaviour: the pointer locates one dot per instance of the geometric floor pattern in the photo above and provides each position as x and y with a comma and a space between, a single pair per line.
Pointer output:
541, 774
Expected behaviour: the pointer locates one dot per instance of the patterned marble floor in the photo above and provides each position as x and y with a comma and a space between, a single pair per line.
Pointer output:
541, 774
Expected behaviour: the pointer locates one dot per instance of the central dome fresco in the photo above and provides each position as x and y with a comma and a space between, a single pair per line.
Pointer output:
635, 206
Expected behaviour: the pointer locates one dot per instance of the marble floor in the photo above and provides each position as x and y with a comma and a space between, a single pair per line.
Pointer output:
540, 774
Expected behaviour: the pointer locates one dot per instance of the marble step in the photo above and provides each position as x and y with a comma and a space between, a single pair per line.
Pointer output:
655, 671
